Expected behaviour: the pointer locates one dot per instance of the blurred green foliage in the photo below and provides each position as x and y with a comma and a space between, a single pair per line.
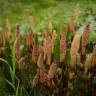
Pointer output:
42, 10
2, 87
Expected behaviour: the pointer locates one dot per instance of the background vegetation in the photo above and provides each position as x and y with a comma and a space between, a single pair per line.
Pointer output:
42, 10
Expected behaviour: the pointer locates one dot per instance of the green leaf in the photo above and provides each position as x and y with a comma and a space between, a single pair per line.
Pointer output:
17, 90
13, 61
23, 30
57, 50
92, 37
22, 49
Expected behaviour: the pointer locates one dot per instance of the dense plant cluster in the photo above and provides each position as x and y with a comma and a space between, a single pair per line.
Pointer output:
49, 63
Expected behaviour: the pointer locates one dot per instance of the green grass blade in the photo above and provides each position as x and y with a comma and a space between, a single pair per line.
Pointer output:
17, 90
5, 61
14, 60
12, 85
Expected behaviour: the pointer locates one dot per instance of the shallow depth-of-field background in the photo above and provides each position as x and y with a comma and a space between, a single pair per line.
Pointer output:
43, 10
